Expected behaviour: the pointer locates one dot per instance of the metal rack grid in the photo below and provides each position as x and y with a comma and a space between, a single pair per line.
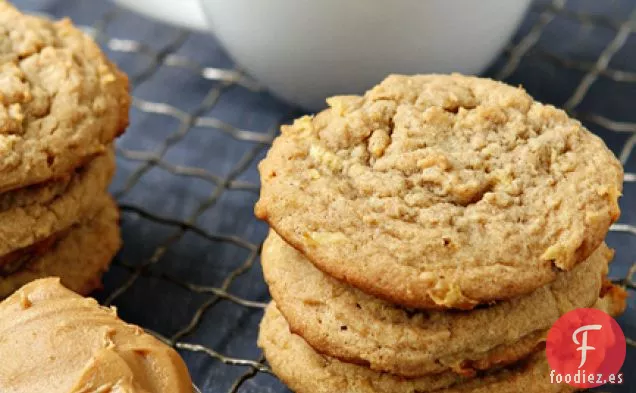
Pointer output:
139, 163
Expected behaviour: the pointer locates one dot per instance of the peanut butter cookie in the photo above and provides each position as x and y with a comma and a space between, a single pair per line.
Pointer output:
441, 191
61, 100
48, 208
79, 258
306, 371
343, 322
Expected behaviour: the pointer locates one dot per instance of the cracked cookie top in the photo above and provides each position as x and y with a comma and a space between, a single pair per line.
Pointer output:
61, 100
441, 190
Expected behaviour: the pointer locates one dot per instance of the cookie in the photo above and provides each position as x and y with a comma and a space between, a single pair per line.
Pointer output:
60, 342
441, 191
40, 193
13, 261
61, 100
45, 211
343, 322
306, 371
79, 258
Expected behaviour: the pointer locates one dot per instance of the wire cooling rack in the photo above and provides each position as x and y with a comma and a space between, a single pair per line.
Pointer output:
187, 179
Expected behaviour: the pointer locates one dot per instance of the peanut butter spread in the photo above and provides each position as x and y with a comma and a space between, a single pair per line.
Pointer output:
55, 341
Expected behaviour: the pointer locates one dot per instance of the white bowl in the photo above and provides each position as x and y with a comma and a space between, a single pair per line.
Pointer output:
307, 50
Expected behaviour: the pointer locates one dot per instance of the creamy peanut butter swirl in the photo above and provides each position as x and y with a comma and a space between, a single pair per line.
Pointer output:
55, 341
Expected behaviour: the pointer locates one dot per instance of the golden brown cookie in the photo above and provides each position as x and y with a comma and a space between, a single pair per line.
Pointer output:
58, 341
345, 323
441, 190
44, 211
13, 261
40, 193
306, 371
79, 258
61, 100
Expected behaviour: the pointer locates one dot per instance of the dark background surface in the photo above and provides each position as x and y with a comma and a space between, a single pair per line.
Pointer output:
187, 176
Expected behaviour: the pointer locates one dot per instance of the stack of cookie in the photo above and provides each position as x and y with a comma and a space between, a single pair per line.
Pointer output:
428, 234
62, 103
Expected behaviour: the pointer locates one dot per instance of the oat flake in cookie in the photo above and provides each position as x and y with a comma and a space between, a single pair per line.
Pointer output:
441, 190
61, 100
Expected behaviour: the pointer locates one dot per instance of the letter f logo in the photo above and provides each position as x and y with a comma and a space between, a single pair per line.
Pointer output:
599, 340
583, 344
